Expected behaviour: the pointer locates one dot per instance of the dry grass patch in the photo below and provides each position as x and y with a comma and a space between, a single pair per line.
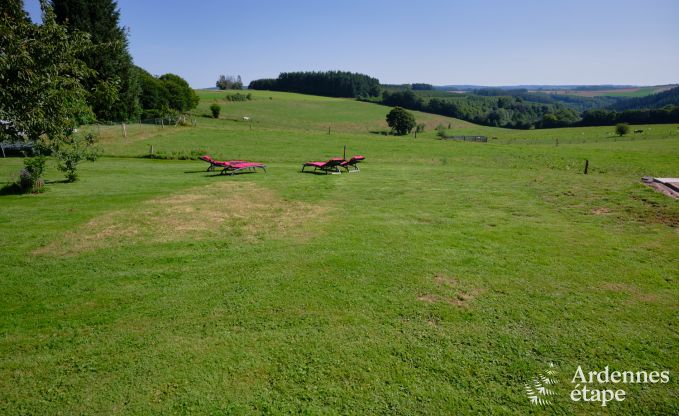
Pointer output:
630, 290
601, 211
222, 211
450, 292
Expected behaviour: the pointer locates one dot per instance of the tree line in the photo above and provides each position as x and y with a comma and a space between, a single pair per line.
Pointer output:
518, 110
329, 84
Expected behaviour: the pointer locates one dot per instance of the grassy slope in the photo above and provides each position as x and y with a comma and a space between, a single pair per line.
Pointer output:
438, 280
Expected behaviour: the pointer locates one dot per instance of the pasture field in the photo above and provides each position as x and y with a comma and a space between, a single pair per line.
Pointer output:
439, 280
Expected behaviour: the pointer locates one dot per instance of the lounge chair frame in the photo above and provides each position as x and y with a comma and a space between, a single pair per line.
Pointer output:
351, 165
331, 166
242, 167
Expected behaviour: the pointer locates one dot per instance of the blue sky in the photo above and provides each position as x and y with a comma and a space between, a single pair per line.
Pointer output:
483, 42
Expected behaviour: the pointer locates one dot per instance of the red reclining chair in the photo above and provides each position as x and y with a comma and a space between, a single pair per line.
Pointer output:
217, 163
352, 163
231, 166
330, 166
234, 167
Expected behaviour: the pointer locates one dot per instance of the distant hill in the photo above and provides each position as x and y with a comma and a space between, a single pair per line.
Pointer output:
669, 97
535, 87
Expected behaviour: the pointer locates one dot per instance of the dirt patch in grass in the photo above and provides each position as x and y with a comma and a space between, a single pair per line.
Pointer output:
601, 211
450, 291
241, 211
632, 291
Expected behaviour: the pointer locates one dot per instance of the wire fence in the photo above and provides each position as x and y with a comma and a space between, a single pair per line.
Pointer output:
138, 128
557, 141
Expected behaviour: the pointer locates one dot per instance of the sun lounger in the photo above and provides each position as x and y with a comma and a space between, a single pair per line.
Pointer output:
352, 163
330, 166
218, 163
232, 168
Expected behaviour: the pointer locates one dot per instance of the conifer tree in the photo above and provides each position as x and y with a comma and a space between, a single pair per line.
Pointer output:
114, 91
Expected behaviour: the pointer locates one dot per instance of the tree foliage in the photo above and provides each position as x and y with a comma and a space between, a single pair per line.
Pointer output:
330, 84
164, 95
114, 89
41, 78
400, 120
41, 85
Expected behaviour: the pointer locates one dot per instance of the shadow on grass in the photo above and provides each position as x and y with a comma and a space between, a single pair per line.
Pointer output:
11, 189
319, 172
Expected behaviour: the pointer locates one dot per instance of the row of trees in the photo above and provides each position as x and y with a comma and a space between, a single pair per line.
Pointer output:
330, 84
602, 117
229, 82
512, 112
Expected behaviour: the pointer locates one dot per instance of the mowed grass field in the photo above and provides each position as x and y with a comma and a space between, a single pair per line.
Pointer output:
439, 280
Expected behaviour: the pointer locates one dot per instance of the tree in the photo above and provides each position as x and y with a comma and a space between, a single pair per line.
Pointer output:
164, 95
114, 88
621, 129
179, 95
400, 120
41, 81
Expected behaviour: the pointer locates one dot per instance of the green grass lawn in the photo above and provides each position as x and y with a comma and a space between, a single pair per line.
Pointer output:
439, 280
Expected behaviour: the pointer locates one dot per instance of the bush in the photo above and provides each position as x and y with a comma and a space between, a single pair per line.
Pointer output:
215, 108
441, 131
400, 121
420, 128
621, 129
238, 97
30, 177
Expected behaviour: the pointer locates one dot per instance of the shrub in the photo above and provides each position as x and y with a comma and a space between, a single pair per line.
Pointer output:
238, 97
30, 177
441, 131
215, 108
420, 127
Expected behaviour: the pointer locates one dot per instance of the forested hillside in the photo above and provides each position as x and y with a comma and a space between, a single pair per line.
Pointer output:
669, 97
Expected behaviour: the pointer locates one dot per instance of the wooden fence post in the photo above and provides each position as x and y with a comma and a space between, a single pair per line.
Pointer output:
586, 166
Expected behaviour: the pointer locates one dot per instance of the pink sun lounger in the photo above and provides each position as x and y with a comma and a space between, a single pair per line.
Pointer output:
218, 163
231, 166
352, 163
330, 166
